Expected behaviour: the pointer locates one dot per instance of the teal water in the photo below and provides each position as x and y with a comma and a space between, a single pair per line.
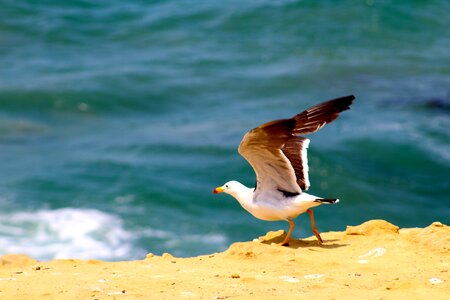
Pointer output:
117, 119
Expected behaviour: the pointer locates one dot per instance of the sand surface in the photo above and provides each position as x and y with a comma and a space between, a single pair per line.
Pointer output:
375, 260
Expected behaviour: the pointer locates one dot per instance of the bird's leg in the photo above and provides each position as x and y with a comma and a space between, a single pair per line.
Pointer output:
288, 235
313, 225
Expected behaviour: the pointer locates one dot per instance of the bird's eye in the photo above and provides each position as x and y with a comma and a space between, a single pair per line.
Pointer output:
226, 186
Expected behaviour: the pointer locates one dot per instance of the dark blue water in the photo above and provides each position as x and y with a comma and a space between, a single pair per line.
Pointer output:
117, 119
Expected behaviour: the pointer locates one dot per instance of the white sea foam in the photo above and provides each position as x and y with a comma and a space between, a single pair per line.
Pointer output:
87, 234
65, 233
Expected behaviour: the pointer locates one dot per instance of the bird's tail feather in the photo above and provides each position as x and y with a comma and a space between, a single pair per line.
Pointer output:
327, 201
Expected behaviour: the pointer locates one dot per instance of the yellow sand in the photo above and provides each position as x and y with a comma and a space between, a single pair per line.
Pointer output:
375, 260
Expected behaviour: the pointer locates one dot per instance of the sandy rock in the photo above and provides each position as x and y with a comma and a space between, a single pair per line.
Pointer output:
373, 227
435, 237
360, 263
16, 260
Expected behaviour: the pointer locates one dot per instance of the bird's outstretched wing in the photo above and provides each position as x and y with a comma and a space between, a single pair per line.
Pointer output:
277, 152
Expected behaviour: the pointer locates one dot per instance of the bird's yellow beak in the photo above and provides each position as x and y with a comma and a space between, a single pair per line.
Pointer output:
218, 190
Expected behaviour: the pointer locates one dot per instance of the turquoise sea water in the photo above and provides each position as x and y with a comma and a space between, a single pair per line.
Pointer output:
118, 118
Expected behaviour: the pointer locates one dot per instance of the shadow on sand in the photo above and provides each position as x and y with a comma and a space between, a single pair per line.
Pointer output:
296, 243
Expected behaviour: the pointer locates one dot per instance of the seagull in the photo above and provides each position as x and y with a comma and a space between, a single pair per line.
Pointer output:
277, 152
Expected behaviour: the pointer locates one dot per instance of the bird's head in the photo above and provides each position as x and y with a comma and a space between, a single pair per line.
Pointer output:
231, 187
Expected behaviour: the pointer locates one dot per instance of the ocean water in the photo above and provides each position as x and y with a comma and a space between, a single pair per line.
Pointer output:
118, 118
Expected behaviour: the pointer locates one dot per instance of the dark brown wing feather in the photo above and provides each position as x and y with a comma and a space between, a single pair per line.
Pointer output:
274, 148
295, 150
317, 116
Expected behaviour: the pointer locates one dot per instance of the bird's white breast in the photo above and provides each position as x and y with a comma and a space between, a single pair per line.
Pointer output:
274, 207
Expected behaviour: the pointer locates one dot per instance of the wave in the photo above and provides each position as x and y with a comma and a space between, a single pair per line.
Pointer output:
65, 233
91, 234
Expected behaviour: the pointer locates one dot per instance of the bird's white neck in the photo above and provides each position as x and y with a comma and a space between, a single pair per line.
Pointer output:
243, 194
